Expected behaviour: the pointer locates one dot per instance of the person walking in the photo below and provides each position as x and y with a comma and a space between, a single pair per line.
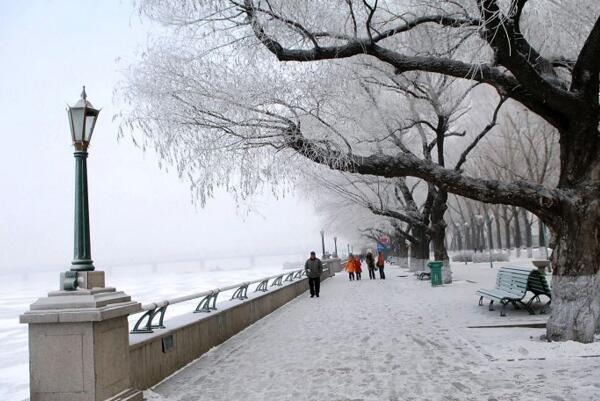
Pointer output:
314, 268
371, 265
381, 265
350, 267
357, 267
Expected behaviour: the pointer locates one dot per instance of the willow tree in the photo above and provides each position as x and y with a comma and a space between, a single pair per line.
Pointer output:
539, 54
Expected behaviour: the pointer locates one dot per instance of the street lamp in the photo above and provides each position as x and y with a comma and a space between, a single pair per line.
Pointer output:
323, 243
335, 254
82, 120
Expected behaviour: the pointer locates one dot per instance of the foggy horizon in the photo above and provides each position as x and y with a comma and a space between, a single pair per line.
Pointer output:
137, 210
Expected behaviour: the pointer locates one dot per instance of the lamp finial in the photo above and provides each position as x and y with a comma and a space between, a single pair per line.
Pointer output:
83, 94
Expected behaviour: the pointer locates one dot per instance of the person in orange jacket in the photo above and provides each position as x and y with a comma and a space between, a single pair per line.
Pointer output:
381, 265
357, 267
350, 267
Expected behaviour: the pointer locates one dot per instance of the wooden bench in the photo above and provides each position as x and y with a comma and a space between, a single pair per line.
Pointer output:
422, 275
512, 285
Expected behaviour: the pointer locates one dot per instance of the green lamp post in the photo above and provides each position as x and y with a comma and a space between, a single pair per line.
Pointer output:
323, 243
82, 120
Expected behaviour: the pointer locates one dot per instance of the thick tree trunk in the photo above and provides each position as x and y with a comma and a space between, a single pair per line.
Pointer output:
576, 278
575, 233
438, 236
420, 250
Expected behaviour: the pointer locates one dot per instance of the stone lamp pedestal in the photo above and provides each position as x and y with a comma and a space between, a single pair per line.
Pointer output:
79, 343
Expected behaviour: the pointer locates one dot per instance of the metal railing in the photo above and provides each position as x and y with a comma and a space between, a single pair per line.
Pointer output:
208, 299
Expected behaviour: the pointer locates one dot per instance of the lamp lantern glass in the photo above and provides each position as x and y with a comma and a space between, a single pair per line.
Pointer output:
82, 120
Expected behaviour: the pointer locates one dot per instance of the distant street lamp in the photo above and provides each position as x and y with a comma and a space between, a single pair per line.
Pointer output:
335, 254
323, 243
82, 120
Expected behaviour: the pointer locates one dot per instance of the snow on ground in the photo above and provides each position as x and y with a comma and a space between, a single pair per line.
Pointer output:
398, 339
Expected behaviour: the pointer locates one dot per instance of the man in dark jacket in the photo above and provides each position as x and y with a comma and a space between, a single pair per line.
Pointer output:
314, 269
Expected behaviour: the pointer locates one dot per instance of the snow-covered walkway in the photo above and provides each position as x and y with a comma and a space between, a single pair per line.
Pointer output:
397, 339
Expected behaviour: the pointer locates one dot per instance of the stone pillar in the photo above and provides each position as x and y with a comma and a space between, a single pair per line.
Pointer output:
79, 343
336, 265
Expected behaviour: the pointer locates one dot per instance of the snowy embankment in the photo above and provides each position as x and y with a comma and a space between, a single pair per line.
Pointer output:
398, 339
142, 282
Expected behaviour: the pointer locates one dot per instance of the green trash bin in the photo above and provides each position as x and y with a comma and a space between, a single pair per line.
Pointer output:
436, 272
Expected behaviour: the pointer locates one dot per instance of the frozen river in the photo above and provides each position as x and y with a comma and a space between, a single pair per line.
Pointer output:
144, 284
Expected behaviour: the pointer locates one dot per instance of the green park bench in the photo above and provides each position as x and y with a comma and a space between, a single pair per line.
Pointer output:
512, 285
422, 275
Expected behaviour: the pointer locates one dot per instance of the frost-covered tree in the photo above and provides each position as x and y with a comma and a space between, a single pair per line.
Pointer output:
435, 106
526, 151
407, 206
247, 77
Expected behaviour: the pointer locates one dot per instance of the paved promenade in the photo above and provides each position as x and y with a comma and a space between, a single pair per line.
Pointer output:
397, 339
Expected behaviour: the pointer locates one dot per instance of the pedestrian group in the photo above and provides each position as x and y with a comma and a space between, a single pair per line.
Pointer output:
314, 269
354, 266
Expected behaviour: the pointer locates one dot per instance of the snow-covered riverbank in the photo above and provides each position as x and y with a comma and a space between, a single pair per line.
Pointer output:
144, 283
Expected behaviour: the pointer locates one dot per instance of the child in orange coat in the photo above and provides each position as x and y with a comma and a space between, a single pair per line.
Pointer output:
350, 267
381, 265
357, 267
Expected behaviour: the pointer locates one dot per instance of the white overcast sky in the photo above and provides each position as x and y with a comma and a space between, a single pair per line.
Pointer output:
138, 212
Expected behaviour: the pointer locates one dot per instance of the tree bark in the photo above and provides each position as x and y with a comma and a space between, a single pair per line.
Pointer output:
575, 277
438, 235
420, 250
